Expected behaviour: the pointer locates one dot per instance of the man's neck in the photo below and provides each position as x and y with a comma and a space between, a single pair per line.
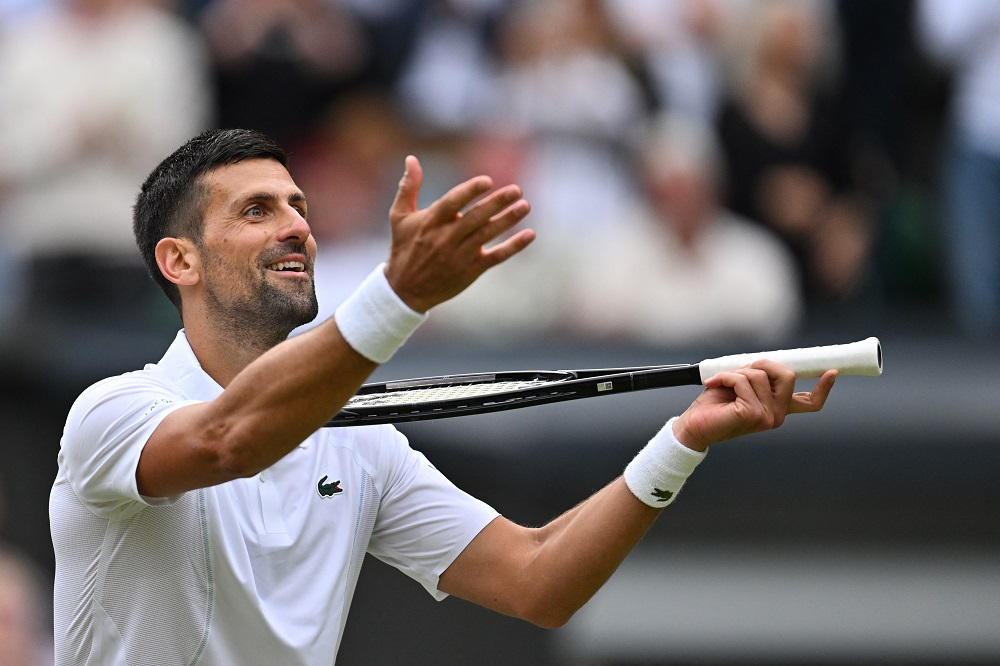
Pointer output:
223, 354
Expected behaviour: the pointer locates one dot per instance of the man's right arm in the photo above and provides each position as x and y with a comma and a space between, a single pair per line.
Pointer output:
293, 389
275, 403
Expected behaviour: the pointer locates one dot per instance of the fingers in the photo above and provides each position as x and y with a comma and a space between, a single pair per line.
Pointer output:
752, 399
439, 250
493, 215
483, 226
449, 208
473, 224
767, 390
486, 218
813, 401
781, 381
501, 252
408, 193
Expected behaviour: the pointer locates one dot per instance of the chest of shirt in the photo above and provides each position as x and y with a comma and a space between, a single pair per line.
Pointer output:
312, 498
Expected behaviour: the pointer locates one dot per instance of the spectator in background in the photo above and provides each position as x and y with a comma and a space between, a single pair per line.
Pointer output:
788, 148
448, 83
571, 96
679, 269
677, 44
569, 106
93, 93
965, 38
24, 636
25, 612
389, 28
449, 97
13, 10
892, 101
278, 65
673, 268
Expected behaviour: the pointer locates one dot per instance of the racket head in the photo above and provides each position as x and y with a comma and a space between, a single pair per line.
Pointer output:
425, 398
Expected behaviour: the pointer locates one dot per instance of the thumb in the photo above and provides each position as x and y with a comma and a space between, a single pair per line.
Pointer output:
409, 190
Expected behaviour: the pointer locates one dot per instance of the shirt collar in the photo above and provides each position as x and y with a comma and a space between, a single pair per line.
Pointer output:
182, 366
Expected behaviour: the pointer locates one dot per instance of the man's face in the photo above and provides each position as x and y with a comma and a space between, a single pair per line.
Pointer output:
257, 251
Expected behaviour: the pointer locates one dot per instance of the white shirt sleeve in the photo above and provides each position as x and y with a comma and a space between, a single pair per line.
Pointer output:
106, 430
424, 521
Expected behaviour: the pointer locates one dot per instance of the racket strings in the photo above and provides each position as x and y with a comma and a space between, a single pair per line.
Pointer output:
440, 393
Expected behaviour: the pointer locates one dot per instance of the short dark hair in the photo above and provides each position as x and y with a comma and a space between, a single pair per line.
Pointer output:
171, 203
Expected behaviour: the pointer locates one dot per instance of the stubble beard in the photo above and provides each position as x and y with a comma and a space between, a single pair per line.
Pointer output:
264, 314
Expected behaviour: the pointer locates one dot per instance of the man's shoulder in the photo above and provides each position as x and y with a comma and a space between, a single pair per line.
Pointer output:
133, 394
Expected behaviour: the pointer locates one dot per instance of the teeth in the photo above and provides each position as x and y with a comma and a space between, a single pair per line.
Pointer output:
287, 265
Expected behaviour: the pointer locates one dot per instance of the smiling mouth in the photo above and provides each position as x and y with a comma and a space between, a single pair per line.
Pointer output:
287, 267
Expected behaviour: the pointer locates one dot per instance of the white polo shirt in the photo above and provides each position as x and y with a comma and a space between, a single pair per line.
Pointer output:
253, 571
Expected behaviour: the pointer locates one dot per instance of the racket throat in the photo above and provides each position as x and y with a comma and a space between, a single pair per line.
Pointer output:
655, 378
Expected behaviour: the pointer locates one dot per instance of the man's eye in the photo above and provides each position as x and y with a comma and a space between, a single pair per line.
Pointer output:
255, 211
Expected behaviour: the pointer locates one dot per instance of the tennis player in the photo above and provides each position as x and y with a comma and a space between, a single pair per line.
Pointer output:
201, 515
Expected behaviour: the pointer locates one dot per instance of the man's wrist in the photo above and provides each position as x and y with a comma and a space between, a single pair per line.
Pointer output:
374, 320
657, 473
684, 436
411, 300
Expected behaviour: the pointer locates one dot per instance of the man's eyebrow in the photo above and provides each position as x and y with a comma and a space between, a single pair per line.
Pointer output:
295, 197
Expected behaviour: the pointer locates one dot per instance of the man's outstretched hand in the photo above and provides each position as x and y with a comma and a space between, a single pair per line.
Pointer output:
440, 250
751, 399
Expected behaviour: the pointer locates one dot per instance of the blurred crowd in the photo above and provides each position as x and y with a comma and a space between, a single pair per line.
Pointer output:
25, 606
698, 169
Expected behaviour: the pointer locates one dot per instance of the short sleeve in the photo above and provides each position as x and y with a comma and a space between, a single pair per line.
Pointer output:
424, 521
105, 432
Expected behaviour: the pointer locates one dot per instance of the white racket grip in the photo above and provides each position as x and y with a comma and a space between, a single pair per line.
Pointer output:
863, 357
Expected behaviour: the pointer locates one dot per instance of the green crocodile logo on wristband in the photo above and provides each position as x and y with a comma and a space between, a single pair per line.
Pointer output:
662, 495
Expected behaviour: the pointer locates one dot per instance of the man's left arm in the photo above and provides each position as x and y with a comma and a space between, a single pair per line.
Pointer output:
546, 574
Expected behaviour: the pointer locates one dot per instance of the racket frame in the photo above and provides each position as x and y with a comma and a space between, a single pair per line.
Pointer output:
863, 357
556, 386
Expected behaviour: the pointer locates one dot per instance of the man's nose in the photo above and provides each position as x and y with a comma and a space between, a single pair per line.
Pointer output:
294, 225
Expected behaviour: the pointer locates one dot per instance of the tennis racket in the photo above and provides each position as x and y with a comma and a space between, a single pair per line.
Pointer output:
478, 393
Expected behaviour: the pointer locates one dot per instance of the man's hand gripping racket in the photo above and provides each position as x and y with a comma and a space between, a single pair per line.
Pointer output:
729, 381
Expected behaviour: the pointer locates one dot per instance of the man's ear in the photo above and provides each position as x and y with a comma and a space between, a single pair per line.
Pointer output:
178, 260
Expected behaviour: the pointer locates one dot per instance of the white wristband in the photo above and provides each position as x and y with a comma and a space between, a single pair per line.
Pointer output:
374, 319
658, 471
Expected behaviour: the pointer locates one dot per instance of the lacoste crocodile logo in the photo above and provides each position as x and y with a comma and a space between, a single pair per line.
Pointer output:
328, 489
661, 495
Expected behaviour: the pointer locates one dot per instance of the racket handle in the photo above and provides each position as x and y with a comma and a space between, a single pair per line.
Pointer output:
856, 358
